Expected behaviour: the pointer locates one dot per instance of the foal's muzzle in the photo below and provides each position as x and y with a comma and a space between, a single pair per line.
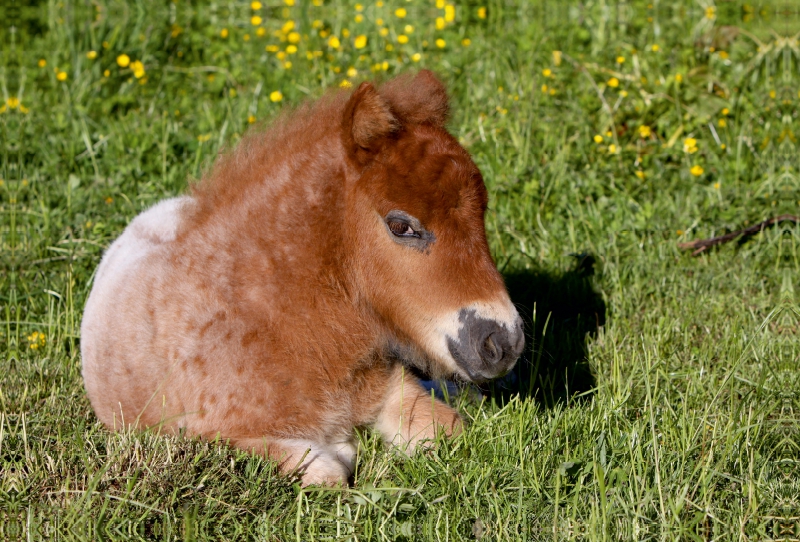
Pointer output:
486, 348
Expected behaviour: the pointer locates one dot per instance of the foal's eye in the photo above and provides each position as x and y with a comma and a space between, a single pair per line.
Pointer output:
402, 229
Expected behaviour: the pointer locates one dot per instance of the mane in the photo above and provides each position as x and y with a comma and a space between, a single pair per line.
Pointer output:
294, 138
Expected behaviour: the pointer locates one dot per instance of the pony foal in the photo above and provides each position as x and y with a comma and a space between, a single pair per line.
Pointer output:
277, 305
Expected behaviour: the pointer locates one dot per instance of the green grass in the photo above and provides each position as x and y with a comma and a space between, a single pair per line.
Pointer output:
659, 398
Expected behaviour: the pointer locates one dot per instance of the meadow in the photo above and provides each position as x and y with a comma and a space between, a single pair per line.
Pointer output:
658, 396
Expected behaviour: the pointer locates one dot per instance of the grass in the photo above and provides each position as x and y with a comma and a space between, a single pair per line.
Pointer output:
659, 397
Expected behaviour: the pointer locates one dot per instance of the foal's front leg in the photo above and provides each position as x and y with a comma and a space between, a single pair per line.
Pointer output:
410, 416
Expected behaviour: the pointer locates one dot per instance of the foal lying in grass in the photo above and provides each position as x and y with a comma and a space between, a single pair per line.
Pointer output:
276, 306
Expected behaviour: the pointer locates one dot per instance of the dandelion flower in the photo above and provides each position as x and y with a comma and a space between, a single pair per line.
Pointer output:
711, 12
481, 13
716, 186
696, 170
361, 41
640, 174
293, 37
690, 145
644, 131
106, 73
251, 119
345, 84
223, 33
612, 149
334, 42
557, 58
726, 111
123, 60
613, 82
61, 76
678, 78
261, 31
620, 59
449, 13
42, 63
440, 24
722, 123
91, 55
275, 96
138, 69
358, 18
352, 72
288, 2
772, 94
291, 49
359, 7
416, 57
408, 29
440, 43
402, 38
255, 5
400, 12
598, 138
547, 72
383, 32
255, 20
655, 48
288, 26
466, 42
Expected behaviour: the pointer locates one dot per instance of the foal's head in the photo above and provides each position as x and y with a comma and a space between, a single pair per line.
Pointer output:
417, 202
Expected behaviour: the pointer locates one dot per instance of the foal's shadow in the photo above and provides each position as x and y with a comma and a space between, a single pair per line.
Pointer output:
561, 311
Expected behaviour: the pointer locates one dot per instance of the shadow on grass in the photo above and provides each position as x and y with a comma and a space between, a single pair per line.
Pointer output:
561, 312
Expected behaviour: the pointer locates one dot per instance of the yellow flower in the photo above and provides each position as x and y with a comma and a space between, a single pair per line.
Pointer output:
400, 12
711, 12
466, 42
408, 29
293, 37
690, 145
106, 73
281, 55
352, 72
334, 42
557, 58
261, 31
644, 131
316, 24
287, 65
722, 123
61, 76
123, 60
723, 55
416, 57
547, 72
612, 149
655, 48
255, 20
91, 55
678, 78
696, 170
138, 69
544, 88
109, 200
360, 42
679, 232
722, 146
772, 94
288, 26
716, 185
640, 174
439, 4
251, 119
402, 38
613, 82
42, 63
246, 37
359, 7
288, 2
384, 65
383, 31
255, 4
271, 48
223, 33
358, 18
449, 13
36, 340
291, 49
345, 33
598, 138
389, 47
440, 43
440, 24
379, 21
275, 96
345, 84
13, 102
620, 59
481, 13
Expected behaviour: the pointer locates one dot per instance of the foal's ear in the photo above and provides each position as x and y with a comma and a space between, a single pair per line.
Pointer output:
418, 99
367, 118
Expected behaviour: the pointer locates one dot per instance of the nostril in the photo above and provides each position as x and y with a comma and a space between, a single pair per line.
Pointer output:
491, 351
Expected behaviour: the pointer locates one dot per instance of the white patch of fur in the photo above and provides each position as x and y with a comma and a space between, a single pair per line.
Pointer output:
449, 325
319, 464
